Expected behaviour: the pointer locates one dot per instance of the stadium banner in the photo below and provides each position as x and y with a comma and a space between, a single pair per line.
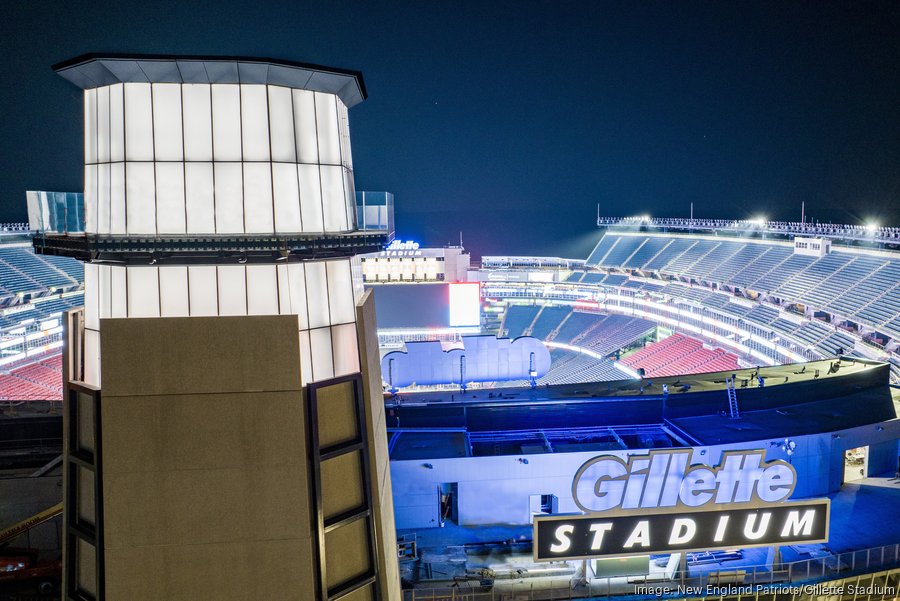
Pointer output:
662, 502
590, 536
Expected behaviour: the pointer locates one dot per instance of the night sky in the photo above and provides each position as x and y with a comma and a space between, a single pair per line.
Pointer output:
512, 121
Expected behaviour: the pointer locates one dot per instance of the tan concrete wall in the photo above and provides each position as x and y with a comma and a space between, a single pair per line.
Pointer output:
205, 462
382, 496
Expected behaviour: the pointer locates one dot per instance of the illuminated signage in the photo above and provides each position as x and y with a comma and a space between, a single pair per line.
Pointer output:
465, 304
662, 503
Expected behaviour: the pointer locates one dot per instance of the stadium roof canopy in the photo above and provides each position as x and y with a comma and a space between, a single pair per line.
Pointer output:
95, 70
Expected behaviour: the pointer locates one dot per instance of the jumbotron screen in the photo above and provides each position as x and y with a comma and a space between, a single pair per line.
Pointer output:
426, 306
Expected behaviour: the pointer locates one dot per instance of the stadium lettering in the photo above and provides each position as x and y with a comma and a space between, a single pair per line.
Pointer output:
668, 479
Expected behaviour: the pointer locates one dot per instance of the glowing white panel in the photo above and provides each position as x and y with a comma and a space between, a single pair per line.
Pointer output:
90, 126
344, 126
103, 124
103, 198
258, 218
232, 290
287, 198
170, 210
118, 285
310, 198
117, 198
140, 199
92, 357
117, 122
168, 144
199, 199
333, 200
229, 198
173, 292
292, 292
138, 122
305, 359
262, 290
202, 286
281, 125
465, 304
90, 198
317, 294
346, 353
340, 292
91, 296
255, 122
322, 359
104, 291
349, 197
143, 292
305, 126
327, 129
226, 110
197, 122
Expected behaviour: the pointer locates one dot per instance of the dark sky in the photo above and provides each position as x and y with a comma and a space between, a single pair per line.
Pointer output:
511, 121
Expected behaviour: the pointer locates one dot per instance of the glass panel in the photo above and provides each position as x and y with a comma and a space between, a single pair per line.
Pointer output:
170, 209
200, 201
232, 290
118, 292
229, 198
342, 480
310, 198
262, 290
349, 198
346, 353
203, 285
340, 292
305, 359
138, 122
292, 291
90, 126
91, 296
305, 126
103, 224
143, 292
90, 198
168, 145
104, 291
140, 199
103, 125
327, 129
173, 292
320, 349
258, 217
281, 125
117, 123
92, 357
85, 568
333, 200
255, 122
116, 216
197, 122
84, 496
317, 295
226, 109
287, 198
84, 429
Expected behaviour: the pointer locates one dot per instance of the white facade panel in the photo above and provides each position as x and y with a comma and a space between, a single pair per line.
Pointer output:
104, 290
117, 122
306, 372
117, 214
258, 217
170, 209
262, 290
317, 294
143, 292
91, 296
292, 292
255, 122
232, 290
322, 358
203, 290
327, 129
92, 357
200, 198
90, 126
103, 201
333, 199
197, 122
345, 350
118, 291
103, 125
287, 198
340, 292
168, 144
90, 198
138, 122
305, 126
229, 198
310, 198
173, 292
226, 111
281, 125
140, 200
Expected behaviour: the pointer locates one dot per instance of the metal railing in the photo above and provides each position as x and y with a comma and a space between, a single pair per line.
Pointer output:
738, 582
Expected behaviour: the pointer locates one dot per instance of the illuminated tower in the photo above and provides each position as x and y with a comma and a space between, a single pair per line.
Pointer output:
225, 432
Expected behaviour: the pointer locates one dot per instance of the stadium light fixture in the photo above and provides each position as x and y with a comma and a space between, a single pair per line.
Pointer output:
871, 227
758, 220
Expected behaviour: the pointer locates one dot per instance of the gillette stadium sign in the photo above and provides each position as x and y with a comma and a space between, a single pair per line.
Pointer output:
663, 503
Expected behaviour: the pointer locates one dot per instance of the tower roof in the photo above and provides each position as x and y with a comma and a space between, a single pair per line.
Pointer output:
95, 70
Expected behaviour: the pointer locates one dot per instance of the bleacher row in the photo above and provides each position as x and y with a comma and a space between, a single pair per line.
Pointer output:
860, 287
38, 310
680, 354
37, 381
22, 271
